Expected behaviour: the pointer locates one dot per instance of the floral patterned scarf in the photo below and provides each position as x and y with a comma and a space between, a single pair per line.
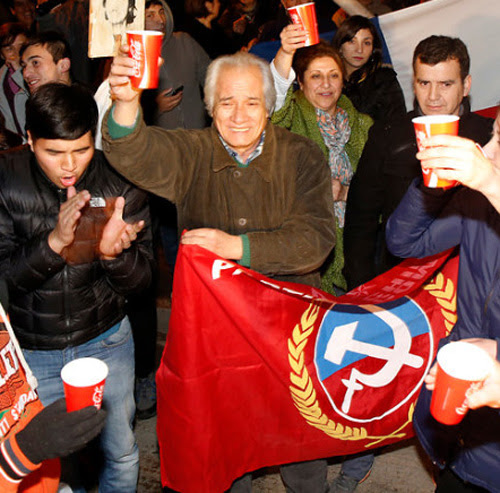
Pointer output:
336, 132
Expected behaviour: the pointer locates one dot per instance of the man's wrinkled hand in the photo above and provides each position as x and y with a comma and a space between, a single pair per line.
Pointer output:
222, 244
489, 393
121, 70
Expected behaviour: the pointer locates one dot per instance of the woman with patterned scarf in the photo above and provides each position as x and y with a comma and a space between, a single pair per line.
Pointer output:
318, 110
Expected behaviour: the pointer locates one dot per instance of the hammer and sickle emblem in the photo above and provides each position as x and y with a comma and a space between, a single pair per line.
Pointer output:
342, 340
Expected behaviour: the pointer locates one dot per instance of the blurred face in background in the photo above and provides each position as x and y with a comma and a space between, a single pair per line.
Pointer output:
10, 53
357, 51
213, 8
39, 67
439, 88
247, 5
116, 11
322, 84
24, 12
155, 18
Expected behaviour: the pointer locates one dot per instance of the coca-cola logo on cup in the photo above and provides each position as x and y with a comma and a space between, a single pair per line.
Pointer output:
136, 53
97, 396
420, 137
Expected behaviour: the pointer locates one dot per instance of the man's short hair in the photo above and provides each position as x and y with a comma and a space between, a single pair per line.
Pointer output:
437, 49
54, 42
61, 111
10, 31
242, 60
153, 2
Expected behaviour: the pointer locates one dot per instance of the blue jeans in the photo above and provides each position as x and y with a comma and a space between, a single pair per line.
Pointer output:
121, 454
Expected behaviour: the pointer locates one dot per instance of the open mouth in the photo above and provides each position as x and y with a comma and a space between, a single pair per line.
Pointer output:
33, 82
68, 181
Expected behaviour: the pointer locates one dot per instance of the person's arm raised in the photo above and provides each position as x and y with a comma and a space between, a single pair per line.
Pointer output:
126, 98
292, 38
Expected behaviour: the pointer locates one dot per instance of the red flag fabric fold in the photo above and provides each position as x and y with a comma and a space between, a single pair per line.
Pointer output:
257, 372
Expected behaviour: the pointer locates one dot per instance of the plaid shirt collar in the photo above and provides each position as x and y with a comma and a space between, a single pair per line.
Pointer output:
255, 153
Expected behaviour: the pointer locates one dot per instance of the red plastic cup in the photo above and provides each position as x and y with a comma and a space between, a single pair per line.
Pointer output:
462, 367
83, 380
145, 49
305, 15
425, 126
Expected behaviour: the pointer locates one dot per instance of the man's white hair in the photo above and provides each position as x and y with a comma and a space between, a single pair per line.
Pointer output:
243, 60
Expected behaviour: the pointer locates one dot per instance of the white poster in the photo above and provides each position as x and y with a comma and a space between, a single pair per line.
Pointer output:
108, 22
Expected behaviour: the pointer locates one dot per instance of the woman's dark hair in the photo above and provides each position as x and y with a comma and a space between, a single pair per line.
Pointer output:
10, 31
304, 56
347, 30
59, 111
195, 8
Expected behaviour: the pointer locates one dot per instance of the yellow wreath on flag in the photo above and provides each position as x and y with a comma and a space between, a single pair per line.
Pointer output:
302, 388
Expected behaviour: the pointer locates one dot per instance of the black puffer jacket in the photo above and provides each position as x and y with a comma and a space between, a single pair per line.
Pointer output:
54, 305
386, 168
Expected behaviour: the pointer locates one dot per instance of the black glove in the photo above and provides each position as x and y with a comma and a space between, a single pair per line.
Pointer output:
56, 433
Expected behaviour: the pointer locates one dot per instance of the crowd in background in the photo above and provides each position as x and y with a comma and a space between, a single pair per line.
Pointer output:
338, 94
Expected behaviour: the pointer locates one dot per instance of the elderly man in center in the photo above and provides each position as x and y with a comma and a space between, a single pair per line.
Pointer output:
244, 189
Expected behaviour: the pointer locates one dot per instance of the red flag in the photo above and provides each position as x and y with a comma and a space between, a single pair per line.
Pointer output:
258, 372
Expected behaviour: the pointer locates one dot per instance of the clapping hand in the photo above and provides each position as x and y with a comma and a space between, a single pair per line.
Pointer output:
69, 214
117, 234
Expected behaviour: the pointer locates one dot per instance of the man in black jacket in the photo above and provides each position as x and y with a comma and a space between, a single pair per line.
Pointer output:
441, 83
68, 274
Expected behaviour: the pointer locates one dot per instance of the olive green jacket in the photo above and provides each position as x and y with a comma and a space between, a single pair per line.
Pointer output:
281, 202
299, 116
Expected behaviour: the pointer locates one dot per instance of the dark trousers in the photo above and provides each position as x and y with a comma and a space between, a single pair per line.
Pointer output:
299, 477
449, 482
141, 310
